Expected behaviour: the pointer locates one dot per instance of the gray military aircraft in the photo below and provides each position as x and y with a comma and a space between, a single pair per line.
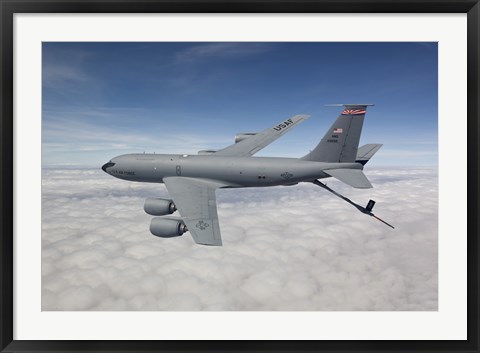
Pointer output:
191, 180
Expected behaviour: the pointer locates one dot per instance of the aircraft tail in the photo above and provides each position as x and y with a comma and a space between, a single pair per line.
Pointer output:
366, 152
340, 143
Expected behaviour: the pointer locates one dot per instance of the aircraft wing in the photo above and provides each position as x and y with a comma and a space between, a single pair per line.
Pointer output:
195, 200
255, 143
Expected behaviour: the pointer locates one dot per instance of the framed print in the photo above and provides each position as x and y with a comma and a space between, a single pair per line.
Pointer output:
146, 206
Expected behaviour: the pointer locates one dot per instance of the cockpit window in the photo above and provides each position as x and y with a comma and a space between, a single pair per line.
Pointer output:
107, 165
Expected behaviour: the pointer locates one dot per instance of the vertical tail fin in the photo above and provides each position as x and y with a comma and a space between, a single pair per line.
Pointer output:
340, 143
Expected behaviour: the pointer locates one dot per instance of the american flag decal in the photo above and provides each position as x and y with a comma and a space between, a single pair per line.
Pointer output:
338, 130
353, 111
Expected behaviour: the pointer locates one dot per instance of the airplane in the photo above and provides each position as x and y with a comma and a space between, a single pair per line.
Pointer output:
191, 180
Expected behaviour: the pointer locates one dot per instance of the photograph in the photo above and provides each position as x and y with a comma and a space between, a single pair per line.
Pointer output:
239, 176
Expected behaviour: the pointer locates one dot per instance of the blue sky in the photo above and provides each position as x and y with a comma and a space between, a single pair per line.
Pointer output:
100, 100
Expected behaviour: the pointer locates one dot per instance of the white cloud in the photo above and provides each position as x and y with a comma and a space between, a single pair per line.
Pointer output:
65, 67
220, 50
285, 248
55, 75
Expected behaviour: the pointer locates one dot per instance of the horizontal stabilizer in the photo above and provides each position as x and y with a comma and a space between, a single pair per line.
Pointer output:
352, 177
366, 152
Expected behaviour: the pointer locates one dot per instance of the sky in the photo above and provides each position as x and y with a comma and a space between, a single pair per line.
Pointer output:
285, 248
100, 100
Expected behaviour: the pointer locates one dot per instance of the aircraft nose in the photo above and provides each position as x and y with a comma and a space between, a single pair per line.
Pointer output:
106, 166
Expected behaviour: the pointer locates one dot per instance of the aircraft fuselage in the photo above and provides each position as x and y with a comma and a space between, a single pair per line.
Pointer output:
236, 171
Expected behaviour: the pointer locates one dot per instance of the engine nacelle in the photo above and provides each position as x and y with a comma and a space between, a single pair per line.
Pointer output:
244, 135
167, 227
203, 152
159, 207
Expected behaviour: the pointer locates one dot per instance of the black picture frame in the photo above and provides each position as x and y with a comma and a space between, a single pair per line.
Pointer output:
10, 7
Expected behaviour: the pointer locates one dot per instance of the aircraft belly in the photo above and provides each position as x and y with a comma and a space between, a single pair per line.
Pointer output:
248, 171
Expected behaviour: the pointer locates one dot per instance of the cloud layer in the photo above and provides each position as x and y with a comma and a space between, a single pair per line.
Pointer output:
285, 248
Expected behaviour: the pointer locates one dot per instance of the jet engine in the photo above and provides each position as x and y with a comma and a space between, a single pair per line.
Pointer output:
167, 227
159, 207
244, 135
